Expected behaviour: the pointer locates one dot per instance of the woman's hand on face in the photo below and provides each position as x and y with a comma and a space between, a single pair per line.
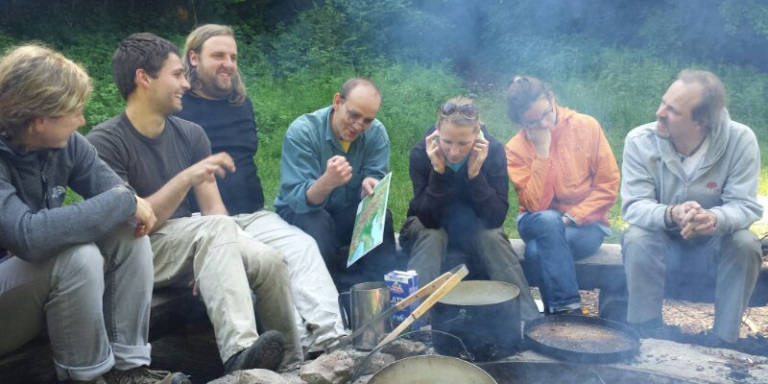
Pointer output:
434, 152
477, 157
541, 139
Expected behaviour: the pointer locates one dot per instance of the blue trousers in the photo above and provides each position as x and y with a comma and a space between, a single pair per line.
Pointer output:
552, 247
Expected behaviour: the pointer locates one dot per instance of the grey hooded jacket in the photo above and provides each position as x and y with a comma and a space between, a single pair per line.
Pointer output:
33, 223
725, 182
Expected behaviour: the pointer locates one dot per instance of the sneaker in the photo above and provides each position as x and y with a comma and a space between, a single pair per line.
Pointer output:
266, 352
144, 375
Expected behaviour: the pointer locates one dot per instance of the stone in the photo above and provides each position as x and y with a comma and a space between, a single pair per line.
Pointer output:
402, 348
251, 376
376, 363
333, 368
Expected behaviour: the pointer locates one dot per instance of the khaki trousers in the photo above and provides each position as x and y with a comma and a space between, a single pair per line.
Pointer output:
314, 294
228, 266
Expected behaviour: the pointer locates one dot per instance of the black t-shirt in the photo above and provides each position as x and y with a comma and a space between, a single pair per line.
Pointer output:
231, 129
149, 163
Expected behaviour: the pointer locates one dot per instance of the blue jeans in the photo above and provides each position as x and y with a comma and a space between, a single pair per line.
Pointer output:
551, 248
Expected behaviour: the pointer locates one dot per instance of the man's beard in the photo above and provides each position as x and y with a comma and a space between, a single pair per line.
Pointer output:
211, 86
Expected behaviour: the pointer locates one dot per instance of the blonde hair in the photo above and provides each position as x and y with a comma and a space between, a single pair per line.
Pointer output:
35, 82
195, 42
458, 118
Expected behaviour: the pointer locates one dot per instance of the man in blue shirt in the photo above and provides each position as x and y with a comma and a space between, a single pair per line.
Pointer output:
331, 159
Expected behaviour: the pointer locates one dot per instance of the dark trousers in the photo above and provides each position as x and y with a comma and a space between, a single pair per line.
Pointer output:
333, 230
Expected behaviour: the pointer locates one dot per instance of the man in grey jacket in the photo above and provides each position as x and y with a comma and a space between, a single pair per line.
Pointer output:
689, 193
80, 271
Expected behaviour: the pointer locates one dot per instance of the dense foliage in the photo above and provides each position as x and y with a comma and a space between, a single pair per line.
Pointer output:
612, 59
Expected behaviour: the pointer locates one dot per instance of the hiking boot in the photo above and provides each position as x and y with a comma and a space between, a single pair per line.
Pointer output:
266, 352
144, 375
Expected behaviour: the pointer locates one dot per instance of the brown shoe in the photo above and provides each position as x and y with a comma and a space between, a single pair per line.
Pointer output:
144, 375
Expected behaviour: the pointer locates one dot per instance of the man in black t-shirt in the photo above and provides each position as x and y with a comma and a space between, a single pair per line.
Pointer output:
168, 161
218, 102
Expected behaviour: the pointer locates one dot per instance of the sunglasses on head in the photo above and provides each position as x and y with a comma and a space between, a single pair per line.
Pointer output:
467, 111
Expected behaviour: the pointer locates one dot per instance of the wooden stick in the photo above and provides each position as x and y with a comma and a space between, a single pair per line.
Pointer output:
454, 280
750, 324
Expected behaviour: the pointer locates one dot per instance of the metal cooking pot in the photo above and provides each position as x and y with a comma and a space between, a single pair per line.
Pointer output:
485, 315
367, 300
431, 369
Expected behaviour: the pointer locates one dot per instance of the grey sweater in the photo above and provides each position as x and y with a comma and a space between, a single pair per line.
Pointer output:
34, 224
725, 182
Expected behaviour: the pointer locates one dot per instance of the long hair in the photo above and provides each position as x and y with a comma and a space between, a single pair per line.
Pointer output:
35, 82
522, 92
195, 42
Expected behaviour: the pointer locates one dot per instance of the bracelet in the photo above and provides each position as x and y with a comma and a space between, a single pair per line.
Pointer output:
670, 218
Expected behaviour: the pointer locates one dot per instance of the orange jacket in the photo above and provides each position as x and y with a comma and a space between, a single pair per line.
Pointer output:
580, 178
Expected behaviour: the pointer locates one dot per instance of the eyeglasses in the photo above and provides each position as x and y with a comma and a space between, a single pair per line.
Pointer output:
467, 111
538, 122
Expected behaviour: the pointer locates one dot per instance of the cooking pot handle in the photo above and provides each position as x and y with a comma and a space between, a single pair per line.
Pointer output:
343, 310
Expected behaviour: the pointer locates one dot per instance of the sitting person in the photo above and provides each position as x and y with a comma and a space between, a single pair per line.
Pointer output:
82, 271
218, 102
168, 161
460, 200
566, 179
689, 194
331, 159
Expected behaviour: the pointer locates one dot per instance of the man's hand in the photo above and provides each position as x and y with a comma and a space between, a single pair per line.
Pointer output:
206, 170
338, 172
679, 212
435, 154
694, 220
541, 140
698, 222
144, 217
477, 157
367, 188
195, 288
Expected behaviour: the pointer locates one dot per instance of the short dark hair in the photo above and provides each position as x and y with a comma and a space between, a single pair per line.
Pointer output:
521, 93
139, 51
713, 98
352, 83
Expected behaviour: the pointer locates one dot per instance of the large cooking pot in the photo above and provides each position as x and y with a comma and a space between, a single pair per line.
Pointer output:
431, 369
485, 315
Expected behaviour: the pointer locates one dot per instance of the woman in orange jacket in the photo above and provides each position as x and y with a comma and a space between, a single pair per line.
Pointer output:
566, 180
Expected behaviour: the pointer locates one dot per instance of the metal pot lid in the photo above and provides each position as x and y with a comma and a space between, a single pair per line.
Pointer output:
582, 339
427, 369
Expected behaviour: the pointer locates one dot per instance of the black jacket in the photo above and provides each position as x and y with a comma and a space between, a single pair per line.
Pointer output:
436, 196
